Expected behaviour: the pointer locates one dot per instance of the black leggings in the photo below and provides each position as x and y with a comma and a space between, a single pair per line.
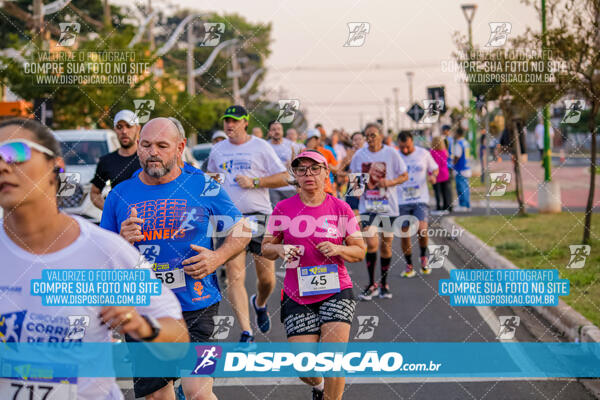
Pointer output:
443, 195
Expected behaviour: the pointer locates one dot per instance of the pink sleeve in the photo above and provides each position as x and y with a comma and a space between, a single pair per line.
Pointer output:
275, 226
352, 223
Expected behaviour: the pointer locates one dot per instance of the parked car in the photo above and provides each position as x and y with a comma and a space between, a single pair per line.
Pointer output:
200, 153
81, 150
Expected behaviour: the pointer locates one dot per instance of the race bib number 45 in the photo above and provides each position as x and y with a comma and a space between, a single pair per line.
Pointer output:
320, 279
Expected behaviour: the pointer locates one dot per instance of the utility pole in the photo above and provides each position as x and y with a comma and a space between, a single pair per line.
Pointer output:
107, 17
237, 98
410, 76
396, 109
469, 13
191, 87
151, 28
547, 145
38, 22
387, 115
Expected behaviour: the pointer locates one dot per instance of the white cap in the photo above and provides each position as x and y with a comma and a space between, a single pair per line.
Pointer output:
311, 133
219, 134
127, 116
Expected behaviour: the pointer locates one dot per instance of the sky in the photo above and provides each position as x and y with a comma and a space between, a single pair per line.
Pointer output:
341, 86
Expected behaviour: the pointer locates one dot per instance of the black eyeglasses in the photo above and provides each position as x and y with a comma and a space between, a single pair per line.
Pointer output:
314, 170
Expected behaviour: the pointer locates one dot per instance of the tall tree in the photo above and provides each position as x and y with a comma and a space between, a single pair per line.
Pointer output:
573, 39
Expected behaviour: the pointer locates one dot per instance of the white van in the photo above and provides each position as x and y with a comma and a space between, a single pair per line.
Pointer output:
82, 148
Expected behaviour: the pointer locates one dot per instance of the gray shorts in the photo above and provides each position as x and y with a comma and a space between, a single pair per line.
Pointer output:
277, 195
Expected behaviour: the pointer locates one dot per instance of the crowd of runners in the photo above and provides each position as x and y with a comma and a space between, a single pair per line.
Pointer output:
309, 199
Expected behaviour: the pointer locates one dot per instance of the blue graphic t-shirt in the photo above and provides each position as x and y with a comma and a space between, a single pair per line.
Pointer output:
176, 215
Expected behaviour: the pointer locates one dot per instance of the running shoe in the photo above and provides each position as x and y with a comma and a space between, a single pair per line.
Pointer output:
246, 342
369, 292
317, 394
263, 319
384, 292
179, 395
425, 270
409, 273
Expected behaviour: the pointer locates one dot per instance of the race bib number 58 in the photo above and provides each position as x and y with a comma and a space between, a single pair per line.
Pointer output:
173, 278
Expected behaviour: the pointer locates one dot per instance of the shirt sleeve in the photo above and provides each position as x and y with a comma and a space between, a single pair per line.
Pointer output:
100, 178
272, 162
457, 150
331, 160
351, 222
161, 306
109, 214
431, 164
274, 225
223, 207
400, 165
354, 163
211, 165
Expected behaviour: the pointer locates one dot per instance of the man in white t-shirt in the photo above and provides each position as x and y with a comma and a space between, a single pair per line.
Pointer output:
292, 135
251, 168
284, 149
539, 138
378, 205
340, 149
32, 322
35, 235
413, 197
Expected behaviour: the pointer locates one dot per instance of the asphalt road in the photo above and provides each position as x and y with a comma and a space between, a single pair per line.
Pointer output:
415, 314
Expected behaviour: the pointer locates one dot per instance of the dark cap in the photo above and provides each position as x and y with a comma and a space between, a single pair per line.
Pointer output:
236, 112
445, 127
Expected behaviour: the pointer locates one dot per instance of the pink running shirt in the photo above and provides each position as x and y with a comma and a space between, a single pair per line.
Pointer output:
299, 224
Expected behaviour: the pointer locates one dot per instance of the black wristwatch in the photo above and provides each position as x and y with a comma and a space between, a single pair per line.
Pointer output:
154, 325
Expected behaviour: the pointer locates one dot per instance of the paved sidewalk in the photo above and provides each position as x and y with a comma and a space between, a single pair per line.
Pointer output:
573, 180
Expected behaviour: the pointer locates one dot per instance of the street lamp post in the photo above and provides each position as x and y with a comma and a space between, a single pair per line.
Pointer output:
547, 147
396, 105
469, 13
409, 76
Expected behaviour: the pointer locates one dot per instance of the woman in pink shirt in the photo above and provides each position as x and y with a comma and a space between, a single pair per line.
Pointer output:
443, 186
315, 233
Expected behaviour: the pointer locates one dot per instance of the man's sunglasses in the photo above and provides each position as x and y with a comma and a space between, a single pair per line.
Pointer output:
18, 151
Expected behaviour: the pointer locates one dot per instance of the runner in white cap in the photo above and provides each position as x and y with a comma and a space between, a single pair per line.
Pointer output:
119, 165
218, 136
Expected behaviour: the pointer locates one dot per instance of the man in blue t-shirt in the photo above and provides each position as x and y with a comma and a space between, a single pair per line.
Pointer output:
170, 215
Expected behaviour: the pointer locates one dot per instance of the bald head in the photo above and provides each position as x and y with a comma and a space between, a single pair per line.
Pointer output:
161, 145
163, 127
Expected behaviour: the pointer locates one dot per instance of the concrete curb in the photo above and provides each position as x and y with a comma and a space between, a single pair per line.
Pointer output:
563, 317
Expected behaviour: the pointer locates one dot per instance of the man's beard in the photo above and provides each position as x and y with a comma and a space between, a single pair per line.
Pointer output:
128, 144
159, 172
